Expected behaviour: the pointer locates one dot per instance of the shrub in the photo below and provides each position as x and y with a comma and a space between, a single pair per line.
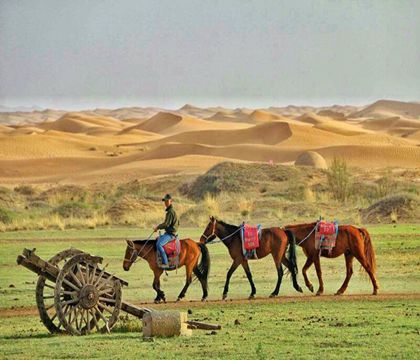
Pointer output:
26, 190
340, 180
5, 216
73, 210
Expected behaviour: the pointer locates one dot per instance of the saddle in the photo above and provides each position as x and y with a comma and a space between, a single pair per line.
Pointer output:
326, 235
172, 250
250, 236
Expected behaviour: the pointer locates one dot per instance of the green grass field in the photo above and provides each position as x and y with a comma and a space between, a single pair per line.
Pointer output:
293, 326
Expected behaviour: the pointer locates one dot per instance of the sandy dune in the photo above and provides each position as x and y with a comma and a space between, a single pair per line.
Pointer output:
123, 144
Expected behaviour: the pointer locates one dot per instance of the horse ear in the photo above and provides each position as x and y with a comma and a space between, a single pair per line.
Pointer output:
130, 243
211, 218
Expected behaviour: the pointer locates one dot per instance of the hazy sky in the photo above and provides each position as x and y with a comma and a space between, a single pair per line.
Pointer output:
80, 54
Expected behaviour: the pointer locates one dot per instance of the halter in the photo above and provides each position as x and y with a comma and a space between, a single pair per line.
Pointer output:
213, 233
135, 254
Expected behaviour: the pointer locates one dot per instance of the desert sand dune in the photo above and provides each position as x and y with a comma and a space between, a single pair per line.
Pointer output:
167, 123
81, 123
375, 155
128, 143
267, 133
389, 108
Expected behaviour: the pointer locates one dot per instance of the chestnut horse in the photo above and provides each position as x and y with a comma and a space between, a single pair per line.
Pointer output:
188, 257
351, 241
273, 241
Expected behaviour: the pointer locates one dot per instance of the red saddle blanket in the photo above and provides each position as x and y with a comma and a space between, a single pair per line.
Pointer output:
326, 235
250, 237
172, 248
326, 228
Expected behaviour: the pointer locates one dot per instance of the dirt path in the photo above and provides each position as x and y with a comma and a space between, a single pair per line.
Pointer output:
32, 310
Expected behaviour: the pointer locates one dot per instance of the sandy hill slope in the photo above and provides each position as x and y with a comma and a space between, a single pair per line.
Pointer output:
392, 125
389, 108
168, 123
83, 123
195, 111
266, 133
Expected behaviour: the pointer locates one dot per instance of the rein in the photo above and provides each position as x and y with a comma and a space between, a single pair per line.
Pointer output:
135, 254
222, 239
307, 236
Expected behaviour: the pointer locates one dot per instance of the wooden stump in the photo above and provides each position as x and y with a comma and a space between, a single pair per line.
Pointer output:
165, 324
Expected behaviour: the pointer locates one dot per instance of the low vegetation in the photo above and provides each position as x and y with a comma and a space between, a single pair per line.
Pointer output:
237, 192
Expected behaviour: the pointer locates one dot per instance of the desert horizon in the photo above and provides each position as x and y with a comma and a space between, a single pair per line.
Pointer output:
55, 146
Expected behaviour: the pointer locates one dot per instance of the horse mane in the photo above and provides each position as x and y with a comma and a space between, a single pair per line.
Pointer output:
144, 242
229, 227
300, 225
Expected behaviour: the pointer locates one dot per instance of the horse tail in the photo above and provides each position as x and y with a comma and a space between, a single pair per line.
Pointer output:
292, 252
203, 268
369, 251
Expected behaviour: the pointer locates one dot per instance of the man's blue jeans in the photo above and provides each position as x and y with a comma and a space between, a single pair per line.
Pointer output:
163, 240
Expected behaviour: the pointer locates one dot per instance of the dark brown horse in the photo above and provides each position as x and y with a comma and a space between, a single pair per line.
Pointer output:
351, 241
188, 257
273, 241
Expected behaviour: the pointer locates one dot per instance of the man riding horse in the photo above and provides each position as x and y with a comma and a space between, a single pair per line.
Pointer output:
170, 225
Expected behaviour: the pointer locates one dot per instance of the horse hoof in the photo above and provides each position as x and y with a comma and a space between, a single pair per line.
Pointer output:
311, 288
224, 296
273, 295
318, 293
203, 300
299, 289
178, 300
338, 293
251, 297
375, 292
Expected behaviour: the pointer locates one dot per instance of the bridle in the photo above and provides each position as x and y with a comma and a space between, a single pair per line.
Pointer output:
213, 233
135, 253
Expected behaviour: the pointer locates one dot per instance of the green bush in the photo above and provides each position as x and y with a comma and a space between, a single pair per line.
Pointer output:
73, 209
340, 180
5, 216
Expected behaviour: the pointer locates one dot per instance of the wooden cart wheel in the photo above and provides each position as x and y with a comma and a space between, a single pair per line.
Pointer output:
45, 293
86, 300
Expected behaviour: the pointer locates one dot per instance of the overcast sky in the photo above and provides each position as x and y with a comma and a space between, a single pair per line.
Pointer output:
84, 54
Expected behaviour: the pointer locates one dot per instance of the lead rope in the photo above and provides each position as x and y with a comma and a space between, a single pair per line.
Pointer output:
223, 239
138, 252
307, 236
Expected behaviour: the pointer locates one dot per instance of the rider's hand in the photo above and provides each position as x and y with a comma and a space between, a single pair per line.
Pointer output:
155, 229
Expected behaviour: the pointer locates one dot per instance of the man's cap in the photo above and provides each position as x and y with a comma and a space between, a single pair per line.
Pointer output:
167, 197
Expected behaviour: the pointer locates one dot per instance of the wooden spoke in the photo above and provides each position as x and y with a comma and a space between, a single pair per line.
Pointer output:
106, 300
64, 292
100, 275
49, 307
75, 278
87, 321
95, 320
102, 306
48, 297
49, 286
69, 302
65, 281
105, 320
81, 274
93, 274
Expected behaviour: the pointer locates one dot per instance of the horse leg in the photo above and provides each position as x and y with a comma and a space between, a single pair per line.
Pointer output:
229, 274
360, 256
160, 295
307, 265
279, 278
188, 272
204, 285
296, 285
245, 265
317, 262
349, 272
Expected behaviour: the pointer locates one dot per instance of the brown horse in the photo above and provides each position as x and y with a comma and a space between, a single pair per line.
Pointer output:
273, 241
188, 257
351, 241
